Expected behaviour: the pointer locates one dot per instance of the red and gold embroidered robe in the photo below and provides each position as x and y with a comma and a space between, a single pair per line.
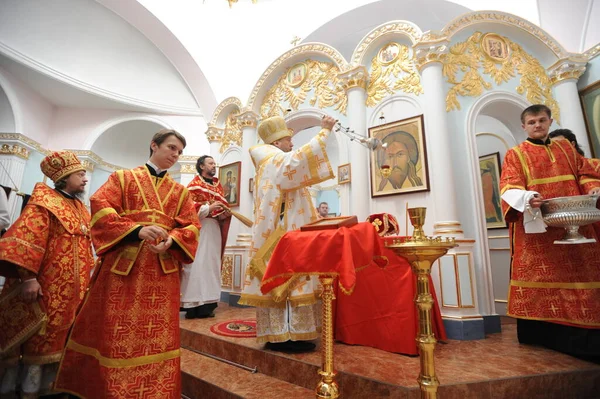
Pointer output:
207, 193
51, 240
550, 282
125, 340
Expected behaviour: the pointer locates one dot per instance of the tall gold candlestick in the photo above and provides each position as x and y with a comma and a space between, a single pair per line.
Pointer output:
327, 387
421, 251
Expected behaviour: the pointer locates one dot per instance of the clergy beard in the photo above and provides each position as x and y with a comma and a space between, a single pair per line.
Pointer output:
79, 194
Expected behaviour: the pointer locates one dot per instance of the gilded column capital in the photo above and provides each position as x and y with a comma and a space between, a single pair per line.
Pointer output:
247, 118
188, 164
567, 69
214, 134
14, 149
356, 76
431, 51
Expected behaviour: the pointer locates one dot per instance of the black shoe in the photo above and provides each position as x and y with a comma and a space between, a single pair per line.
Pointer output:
206, 310
190, 313
291, 346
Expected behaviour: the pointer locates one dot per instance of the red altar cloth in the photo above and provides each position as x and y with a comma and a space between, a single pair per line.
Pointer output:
335, 252
380, 312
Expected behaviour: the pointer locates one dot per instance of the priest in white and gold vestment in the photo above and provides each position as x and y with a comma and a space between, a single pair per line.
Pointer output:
288, 316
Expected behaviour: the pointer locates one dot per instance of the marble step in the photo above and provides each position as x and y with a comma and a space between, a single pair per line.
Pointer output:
203, 377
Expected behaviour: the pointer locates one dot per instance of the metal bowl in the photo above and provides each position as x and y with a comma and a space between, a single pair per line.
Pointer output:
571, 213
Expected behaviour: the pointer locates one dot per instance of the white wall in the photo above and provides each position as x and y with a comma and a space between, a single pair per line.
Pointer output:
7, 118
86, 44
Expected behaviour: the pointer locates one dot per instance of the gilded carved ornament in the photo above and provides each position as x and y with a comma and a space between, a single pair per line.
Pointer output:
225, 103
320, 49
479, 17
392, 28
567, 70
94, 160
501, 59
247, 118
232, 135
355, 77
14, 149
592, 52
187, 168
227, 271
88, 165
430, 53
214, 134
293, 87
392, 69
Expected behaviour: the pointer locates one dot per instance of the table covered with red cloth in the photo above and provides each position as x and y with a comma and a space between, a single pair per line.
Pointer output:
379, 311
335, 252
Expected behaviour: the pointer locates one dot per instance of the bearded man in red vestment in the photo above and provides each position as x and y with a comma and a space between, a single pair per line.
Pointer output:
125, 340
47, 257
553, 289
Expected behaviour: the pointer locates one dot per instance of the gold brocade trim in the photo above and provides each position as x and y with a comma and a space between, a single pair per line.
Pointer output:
45, 359
523, 164
589, 180
121, 176
260, 301
182, 197
101, 213
164, 201
574, 286
121, 363
141, 188
508, 313
119, 238
313, 167
130, 254
287, 337
554, 179
258, 264
181, 244
304, 300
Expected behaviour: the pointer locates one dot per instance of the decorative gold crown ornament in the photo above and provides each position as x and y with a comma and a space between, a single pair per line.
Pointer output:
60, 164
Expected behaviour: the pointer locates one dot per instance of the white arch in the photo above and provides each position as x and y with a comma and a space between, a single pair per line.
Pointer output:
480, 230
14, 102
235, 151
98, 131
395, 98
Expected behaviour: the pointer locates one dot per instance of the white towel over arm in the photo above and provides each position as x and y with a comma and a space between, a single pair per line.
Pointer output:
532, 217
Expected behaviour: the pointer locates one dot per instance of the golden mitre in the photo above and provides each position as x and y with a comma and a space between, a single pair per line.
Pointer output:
60, 164
273, 129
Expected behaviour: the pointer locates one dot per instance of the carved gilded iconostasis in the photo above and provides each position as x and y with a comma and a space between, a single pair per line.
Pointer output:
470, 77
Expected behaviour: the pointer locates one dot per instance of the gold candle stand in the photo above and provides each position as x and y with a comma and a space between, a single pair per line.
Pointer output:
327, 387
421, 251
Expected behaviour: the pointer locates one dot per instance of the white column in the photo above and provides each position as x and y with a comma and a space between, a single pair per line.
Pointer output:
13, 158
248, 121
453, 274
436, 128
214, 135
564, 75
354, 82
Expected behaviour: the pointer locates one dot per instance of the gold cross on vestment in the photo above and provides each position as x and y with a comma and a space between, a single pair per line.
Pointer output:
290, 173
520, 290
553, 309
319, 161
117, 328
153, 298
141, 391
150, 326
154, 217
266, 234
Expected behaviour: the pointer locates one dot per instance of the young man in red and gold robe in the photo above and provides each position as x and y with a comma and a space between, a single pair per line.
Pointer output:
47, 256
201, 280
554, 289
125, 340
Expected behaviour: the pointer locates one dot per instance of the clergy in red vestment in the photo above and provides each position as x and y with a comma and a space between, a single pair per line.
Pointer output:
125, 340
47, 256
554, 289
201, 280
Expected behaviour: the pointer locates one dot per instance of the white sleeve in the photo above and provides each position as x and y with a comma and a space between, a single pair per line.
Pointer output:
532, 217
203, 211
4, 216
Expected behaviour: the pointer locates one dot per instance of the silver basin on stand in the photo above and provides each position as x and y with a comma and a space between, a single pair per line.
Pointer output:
571, 213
